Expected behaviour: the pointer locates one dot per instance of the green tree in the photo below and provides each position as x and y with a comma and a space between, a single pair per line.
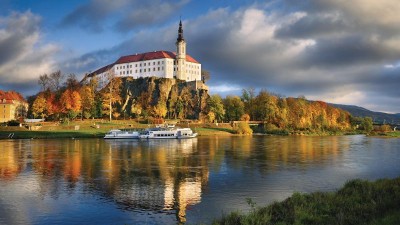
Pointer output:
234, 108
367, 124
216, 106
248, 96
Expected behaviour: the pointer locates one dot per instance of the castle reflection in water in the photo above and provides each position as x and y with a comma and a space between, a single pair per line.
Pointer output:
156, 175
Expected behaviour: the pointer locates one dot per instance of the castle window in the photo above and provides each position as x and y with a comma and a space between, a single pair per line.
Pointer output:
145, 70
162, 68
158, 68
158, 63
131, 66
154, 63
135, 65
154, 69
140, 70
144, 64
135, 71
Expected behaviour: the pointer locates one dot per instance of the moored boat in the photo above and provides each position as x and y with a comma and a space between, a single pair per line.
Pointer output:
120, 134
168, 133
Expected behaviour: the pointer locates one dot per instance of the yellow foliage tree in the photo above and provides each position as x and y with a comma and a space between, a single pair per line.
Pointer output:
39, 106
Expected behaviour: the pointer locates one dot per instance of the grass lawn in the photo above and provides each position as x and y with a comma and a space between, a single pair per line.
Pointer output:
96, 129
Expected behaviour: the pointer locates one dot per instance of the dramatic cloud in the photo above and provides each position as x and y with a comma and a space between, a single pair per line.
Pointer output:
323, 54
22, 57
330, 50
146, 13
122, 15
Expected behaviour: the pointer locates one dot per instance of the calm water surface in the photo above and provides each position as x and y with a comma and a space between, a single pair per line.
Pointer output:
93, 181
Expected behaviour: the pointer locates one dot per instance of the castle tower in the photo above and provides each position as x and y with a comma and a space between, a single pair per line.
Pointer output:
180, 54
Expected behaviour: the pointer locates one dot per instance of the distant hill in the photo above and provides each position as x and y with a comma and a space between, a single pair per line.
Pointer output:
378, 117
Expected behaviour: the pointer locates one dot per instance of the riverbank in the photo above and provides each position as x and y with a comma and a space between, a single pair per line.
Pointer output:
98, 128
358, 202
94, 129
395, 134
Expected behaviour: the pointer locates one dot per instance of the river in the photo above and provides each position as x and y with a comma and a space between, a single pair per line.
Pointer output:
93, 181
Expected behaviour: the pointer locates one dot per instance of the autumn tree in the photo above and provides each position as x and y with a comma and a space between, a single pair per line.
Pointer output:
71, 102
88, 101
136, 109
160, 110
39, 107
245, 117
111, 93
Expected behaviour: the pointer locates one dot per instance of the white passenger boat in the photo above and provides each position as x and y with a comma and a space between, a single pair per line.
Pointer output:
120, 134
168, 133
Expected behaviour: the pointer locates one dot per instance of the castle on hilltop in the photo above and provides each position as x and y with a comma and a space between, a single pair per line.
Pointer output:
164, 64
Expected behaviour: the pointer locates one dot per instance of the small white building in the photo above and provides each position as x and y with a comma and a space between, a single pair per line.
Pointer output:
161, 63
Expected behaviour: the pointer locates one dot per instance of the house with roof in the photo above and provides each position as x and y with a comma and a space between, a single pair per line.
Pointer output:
164, 64
12, 106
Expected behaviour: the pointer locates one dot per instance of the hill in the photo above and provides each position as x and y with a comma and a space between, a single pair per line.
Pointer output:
377, 117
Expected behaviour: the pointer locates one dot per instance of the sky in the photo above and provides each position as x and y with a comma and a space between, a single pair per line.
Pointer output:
338, 51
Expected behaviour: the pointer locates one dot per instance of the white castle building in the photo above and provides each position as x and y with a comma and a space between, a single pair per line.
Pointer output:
164, 64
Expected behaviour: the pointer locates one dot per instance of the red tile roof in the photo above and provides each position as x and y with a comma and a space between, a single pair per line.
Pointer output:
101, 70
10, 95
142, 57
151, 56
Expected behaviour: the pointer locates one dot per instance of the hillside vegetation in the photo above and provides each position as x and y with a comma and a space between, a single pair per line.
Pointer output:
156, 99
377, 117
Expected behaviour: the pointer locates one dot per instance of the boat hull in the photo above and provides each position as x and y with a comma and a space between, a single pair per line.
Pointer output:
118, 134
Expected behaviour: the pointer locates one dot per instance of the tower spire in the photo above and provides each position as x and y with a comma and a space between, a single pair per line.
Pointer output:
180, 32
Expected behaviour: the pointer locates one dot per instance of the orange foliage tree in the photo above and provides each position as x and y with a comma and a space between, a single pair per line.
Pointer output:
71, 102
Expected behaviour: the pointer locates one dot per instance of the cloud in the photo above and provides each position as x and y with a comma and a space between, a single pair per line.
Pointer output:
303, 51
148, 13
92, 15
22, 55
328, 50
122, 15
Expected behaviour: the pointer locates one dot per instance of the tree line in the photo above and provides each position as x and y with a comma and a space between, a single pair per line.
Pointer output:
284, 114
64, 97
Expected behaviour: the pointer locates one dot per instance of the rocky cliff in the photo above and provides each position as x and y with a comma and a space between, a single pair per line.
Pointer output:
162, 97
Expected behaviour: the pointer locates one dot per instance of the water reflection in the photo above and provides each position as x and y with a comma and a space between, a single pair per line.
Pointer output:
10, 165
160, 176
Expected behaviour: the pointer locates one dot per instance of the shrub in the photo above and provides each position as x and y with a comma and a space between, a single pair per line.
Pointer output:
12, 123
243, 128
245, 117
